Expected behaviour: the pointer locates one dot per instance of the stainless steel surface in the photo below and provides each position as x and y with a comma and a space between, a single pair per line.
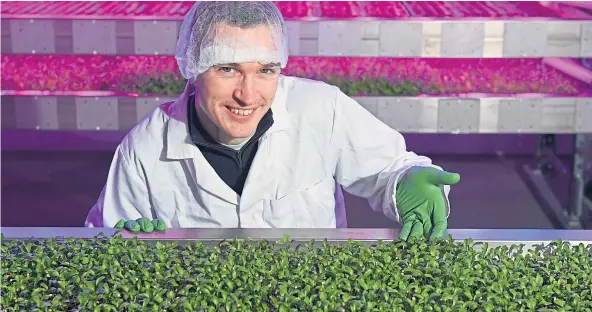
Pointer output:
397, 38
335, 235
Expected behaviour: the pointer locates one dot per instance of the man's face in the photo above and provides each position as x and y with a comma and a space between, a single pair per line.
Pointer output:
236, 96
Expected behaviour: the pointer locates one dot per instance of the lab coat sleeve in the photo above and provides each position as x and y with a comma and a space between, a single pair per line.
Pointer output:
371, 156
124, 196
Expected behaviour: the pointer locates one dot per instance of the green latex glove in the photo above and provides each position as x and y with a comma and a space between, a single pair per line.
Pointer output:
141, 224
421, 202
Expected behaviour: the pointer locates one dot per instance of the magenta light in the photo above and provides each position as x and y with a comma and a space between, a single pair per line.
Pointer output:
448, 76
291, 10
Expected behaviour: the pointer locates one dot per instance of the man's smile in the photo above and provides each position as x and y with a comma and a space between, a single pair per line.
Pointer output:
239, 113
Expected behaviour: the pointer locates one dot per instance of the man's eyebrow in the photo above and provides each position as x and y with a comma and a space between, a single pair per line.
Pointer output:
268, 65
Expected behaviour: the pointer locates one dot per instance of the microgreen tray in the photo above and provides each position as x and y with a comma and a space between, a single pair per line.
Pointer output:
249, 270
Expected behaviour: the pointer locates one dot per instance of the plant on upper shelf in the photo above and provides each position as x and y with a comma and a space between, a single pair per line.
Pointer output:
355, 75
171, 84
116, 274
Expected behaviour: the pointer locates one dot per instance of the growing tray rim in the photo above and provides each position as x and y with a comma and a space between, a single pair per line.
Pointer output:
497, 236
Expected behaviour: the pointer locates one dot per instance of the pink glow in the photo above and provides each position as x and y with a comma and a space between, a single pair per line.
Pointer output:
67, 93
574, 69
571, 10
131, 94
447, 76
582, 4
291, 10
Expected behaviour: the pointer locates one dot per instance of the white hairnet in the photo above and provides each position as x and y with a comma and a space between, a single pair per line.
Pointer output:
204, 42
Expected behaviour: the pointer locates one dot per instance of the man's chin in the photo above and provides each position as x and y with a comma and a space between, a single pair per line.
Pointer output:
236, 130
241, 135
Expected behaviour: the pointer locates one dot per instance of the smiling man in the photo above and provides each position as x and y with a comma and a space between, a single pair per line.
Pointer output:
245, 146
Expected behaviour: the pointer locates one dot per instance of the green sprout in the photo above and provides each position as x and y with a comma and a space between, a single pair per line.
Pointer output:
119, 274
284, 240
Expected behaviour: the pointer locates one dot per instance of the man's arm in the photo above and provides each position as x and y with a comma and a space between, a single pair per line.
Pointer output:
371, 156
124, 196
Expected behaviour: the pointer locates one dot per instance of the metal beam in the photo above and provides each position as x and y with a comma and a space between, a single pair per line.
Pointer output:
535, 180
580, 176
488, 114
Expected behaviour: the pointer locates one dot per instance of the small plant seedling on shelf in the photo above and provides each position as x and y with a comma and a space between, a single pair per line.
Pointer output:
118, 274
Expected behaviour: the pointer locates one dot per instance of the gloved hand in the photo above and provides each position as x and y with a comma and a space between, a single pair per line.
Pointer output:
421, 201
141, 224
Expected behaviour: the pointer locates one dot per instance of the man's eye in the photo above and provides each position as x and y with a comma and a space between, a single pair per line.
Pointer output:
268, 71
225, 69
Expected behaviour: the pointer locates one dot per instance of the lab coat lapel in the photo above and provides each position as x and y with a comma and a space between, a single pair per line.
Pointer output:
179, 146
206, 178
274, 146
178, 143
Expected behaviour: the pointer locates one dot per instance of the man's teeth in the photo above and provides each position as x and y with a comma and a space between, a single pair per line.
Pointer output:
243, 112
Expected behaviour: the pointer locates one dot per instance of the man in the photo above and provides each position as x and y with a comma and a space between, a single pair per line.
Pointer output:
244, 146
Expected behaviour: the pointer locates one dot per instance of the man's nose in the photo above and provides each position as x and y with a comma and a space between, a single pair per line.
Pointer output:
245, 92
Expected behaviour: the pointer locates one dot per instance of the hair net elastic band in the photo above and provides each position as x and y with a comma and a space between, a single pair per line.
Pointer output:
227, 55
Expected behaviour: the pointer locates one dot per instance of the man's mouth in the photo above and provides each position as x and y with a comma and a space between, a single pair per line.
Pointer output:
241, 112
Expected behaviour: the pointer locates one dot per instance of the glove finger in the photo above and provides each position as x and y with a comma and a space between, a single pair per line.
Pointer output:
142, 219
417, 229
159, 225
132, 226
427, 227
443, 177
439, 229
147, 227
439, 219
120, 224
438, 209
406, 230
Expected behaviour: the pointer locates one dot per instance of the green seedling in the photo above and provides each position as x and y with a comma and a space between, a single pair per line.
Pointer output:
118, 274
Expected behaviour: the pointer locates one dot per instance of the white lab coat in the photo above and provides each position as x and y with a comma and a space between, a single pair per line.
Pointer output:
320, 139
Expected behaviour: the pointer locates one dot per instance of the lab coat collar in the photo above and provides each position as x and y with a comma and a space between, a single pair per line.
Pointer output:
281, 120
179, 144
178, 141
